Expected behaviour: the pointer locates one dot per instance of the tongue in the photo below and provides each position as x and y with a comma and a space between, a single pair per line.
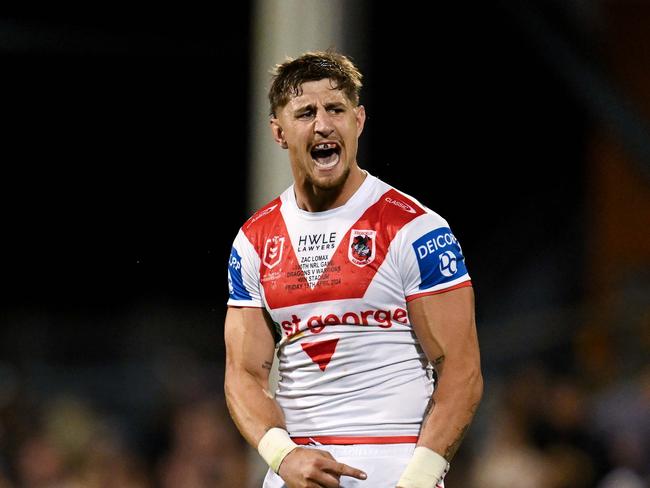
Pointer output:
326, 157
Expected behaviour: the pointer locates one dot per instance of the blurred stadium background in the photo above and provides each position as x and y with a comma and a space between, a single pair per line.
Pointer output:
133, 148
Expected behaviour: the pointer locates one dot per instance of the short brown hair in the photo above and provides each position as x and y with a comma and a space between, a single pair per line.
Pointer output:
313, 66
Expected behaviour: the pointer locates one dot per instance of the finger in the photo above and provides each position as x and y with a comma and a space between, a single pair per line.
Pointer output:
324, 480
326, 454
341, 469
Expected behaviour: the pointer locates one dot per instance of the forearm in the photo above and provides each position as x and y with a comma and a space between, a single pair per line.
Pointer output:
251, 406
451, 410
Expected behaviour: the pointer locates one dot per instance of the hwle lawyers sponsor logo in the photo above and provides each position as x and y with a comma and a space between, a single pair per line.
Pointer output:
316, 242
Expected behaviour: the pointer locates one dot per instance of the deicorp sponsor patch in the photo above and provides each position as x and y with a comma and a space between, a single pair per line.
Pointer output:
439, 257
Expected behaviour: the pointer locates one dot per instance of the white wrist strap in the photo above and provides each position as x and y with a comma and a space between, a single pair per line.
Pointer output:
274, 447
425, 469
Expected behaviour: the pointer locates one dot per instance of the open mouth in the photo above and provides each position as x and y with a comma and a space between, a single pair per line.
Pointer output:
326, 154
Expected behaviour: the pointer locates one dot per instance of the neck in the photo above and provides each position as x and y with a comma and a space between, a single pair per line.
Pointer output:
312, 198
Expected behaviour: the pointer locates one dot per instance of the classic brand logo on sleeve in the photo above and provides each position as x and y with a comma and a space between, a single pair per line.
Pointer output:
439, 257
398, 203
236, 285
261, 214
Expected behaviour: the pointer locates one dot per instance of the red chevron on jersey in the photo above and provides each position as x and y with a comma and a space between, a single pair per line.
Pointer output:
270, 207
353, 265
320, 352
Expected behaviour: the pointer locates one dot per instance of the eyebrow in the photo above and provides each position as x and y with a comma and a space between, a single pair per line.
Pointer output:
304, 108
312, 106
334, 105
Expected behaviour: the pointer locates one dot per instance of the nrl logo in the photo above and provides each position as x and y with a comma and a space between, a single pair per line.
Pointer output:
362, 247
273, 251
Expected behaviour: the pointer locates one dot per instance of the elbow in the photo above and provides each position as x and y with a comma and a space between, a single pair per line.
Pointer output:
233, 381
478, 387
228, 387
475, 385
238, 382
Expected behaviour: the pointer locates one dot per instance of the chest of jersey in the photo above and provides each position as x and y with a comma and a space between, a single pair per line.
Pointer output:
309, 261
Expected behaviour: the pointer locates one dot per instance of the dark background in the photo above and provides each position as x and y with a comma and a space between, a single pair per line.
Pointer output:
124, 147
128, 137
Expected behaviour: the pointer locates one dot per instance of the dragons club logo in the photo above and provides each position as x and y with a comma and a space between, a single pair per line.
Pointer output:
362, 247
273, 251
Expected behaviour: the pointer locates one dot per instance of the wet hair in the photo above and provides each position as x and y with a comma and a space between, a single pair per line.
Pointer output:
313, 66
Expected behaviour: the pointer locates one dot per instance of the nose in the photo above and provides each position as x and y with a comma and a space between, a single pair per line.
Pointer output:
323, 124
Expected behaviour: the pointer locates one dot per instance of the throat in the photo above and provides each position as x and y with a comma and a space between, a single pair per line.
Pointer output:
313, 195
313, 198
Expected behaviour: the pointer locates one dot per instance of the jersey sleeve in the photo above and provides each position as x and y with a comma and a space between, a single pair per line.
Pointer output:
243, 274
431, 259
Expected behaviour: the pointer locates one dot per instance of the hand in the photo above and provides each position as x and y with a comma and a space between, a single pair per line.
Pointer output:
313, 468
438, 485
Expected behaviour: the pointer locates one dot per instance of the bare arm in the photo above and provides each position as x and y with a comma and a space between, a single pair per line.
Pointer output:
249, 355
446, 328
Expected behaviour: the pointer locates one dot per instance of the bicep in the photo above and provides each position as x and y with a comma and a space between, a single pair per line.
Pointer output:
249, 342
445, 326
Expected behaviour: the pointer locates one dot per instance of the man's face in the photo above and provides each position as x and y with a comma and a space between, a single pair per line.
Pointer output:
320, 128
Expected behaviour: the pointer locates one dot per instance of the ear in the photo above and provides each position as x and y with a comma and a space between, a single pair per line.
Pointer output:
360, 112
278, 133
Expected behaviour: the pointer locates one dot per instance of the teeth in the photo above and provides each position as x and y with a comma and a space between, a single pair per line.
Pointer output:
325, 146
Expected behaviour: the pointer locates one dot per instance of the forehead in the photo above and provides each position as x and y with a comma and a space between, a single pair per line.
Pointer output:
314, 92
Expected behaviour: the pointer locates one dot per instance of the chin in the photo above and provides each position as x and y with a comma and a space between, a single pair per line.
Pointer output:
330, 182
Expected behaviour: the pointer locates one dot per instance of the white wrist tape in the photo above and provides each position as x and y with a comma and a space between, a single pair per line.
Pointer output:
274, 447
425, 469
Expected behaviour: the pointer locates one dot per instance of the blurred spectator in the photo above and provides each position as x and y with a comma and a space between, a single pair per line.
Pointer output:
622, 416
108, 464
507, 457
562, 431
73, 447
622, 478
205, 450
40, 464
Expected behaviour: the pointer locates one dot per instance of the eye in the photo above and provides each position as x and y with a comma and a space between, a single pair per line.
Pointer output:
305, 115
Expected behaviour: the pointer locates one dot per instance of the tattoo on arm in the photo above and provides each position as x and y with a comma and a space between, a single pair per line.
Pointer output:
438, 361
453, 447
427, 412
430, 405
267, 365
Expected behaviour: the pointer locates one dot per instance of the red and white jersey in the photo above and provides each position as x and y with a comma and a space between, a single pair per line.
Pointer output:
336, 284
